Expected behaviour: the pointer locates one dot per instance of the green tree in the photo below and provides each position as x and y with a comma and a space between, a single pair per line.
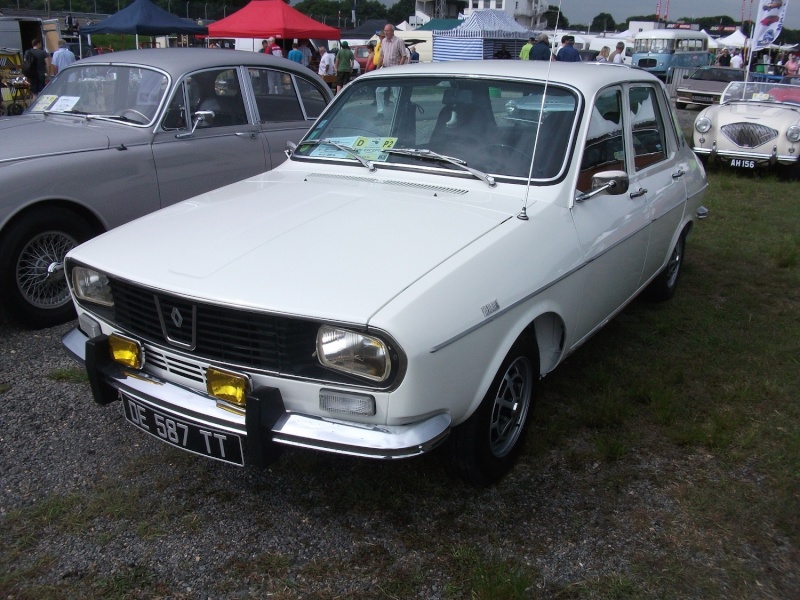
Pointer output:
551, 15
400, 11
603, 22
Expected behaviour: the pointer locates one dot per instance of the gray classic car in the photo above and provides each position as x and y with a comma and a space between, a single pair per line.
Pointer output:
116, 136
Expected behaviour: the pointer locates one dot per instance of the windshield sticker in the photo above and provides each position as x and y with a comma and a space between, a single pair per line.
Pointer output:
65, 103
366, 147
44, 102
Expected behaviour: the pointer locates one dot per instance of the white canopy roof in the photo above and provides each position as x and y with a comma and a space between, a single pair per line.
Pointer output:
735, 40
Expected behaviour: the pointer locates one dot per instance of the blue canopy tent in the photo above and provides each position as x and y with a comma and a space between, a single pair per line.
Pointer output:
142, 17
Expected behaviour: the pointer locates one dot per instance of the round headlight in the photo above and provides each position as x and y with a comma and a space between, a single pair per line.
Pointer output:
702, 124
793, 134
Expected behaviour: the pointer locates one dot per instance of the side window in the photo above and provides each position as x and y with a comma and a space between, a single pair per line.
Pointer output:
649, 144
175, 115
217, 91
275, 94
605, 142
313, 99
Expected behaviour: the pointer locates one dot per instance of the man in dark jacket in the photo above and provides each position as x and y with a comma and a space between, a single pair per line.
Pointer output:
567, 53
541, 49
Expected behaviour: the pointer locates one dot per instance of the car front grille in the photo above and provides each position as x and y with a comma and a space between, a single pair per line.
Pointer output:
749, 135
647, 63
216, 333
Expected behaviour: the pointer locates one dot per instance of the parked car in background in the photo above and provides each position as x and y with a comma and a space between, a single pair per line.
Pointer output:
116, 136
405, 278
756, 126
361, 54
705, 85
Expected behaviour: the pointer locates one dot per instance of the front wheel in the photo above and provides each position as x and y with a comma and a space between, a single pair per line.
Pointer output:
32, 274
486, 446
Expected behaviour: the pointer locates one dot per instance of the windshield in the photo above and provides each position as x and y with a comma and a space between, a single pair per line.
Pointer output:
123, 93
487, 125
761, 92
656, 46
723, 75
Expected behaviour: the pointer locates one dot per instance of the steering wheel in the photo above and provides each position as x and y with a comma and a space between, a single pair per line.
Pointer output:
503, 155
135, 112
351, 130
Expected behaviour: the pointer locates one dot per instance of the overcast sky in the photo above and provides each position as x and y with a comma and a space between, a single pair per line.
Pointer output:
582, 11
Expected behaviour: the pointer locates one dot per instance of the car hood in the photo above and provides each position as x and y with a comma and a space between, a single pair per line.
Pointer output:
775, 115
26, 136
333, 249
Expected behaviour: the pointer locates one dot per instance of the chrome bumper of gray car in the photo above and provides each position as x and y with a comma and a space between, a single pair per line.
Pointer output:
108, 380
773, 158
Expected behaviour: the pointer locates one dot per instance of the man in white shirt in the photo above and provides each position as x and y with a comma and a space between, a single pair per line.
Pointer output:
736, 59
326, 62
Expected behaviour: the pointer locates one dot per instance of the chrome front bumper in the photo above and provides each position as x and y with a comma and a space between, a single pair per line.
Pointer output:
108, 379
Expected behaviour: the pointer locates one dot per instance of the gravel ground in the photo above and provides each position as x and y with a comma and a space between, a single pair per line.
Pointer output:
89, 506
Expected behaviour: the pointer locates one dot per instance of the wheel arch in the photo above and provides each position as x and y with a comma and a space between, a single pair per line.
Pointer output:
89, 216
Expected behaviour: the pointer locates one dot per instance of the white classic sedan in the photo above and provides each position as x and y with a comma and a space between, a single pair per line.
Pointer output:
445, 235
756, 126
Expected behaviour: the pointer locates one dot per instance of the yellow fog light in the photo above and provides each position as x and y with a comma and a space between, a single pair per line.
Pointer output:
126, 351
227, 386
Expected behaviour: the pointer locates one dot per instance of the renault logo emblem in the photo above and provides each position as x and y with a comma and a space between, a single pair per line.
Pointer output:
176, 317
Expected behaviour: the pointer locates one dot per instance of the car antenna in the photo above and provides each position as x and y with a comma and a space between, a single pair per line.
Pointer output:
523, 214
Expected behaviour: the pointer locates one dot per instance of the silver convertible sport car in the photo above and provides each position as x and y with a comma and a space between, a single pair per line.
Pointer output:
405, 278
757, 126
120, 135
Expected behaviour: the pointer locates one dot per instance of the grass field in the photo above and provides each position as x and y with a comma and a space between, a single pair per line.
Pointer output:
664, 454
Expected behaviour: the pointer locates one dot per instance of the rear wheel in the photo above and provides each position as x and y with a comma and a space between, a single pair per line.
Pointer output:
663, 286
32, 275
486, 446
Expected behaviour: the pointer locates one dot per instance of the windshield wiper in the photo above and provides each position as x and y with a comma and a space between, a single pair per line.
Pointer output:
431, 155
350, 151
88, 116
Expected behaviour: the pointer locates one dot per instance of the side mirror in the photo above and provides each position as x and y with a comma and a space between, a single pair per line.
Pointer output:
197, 117
613, 182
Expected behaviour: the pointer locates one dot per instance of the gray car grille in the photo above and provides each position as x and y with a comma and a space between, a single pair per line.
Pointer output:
749, 135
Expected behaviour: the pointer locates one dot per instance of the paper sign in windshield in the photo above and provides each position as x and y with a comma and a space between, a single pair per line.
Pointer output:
366, 147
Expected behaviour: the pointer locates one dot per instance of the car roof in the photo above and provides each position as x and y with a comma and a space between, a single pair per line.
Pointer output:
177, 61
587, 77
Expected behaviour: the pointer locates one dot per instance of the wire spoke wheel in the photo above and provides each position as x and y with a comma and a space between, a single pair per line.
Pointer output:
40, 269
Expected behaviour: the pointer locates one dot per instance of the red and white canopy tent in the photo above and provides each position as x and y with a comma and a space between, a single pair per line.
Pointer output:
266, 18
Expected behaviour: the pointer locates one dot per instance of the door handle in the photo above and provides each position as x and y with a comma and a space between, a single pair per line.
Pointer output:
639, 192
679, 174
250, 134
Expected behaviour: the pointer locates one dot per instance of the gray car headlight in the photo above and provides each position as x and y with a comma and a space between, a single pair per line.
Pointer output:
793, 134
91, 286
702, 124
354, 353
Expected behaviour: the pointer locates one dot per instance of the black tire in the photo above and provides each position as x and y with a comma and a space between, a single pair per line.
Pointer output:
663, 287
32, 254
483, 448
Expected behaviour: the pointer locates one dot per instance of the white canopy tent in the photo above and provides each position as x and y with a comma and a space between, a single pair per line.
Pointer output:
735, 40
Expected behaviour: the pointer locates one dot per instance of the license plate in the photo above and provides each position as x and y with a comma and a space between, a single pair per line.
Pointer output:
743, 163
703, 98
184, 434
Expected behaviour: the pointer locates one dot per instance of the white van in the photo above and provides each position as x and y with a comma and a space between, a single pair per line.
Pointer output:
598, 42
